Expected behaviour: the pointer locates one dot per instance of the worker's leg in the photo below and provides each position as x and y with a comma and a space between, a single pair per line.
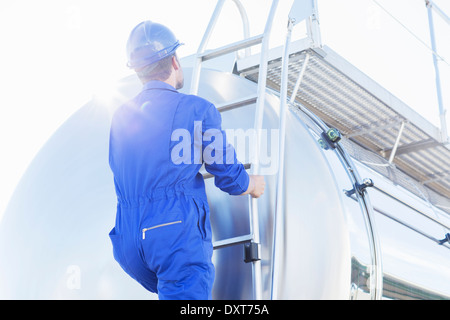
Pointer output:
177, 247
128, 256
188, 274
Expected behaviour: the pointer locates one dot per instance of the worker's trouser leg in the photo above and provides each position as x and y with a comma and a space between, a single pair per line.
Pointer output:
171, 255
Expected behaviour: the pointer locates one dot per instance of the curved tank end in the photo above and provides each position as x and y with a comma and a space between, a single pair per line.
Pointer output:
54, 234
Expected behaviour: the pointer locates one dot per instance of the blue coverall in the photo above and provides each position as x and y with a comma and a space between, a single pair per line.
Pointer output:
162, 233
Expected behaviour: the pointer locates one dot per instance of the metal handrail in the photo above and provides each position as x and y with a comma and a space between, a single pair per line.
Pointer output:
207, 36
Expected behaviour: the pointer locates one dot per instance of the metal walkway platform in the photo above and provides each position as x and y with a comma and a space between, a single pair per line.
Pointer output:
364, 112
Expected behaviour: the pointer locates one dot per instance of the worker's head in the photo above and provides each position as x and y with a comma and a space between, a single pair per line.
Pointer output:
151, 51
167, 69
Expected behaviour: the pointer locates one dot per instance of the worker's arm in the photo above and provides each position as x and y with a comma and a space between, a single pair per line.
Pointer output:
220, 160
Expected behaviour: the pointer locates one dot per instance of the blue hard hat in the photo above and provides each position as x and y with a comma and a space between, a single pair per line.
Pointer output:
148, 43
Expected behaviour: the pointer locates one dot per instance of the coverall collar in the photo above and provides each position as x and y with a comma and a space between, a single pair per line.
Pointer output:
156, 84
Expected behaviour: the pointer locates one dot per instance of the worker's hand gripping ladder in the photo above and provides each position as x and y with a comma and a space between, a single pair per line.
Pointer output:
202, 56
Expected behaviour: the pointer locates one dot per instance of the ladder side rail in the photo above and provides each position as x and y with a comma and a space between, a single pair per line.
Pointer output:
277, 245
262, 80
260, 103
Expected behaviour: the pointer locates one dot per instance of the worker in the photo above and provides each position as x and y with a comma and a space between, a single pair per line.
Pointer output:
162, 234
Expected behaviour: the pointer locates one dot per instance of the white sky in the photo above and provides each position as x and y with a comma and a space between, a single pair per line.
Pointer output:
56, 53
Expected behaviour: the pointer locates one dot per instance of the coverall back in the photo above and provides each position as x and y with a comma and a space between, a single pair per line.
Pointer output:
162, 233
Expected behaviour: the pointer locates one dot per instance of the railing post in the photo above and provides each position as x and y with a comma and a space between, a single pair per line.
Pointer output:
442, 111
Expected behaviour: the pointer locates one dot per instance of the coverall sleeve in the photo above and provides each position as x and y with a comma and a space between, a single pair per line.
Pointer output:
219, 156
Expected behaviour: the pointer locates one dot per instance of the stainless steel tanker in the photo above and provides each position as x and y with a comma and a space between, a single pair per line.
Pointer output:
337, 220
333, 242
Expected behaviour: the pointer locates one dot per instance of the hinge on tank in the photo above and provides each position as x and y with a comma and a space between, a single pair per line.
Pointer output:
251, 252
359, 187
446, 239
329, 139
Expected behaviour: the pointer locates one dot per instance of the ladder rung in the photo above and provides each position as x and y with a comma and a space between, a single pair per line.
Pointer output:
232, 241
207, 175
235, 46
237, 103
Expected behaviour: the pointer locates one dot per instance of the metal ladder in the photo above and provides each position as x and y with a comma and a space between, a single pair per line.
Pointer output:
254, 237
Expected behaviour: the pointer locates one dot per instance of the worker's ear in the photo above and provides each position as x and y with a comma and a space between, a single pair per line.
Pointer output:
175, 63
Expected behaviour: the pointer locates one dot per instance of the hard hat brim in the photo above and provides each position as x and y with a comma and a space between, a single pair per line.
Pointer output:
145, 55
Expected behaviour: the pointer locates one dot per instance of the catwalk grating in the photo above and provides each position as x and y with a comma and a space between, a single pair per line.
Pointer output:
366, 114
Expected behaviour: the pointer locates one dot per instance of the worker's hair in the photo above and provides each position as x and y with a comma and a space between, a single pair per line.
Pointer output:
160, 70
